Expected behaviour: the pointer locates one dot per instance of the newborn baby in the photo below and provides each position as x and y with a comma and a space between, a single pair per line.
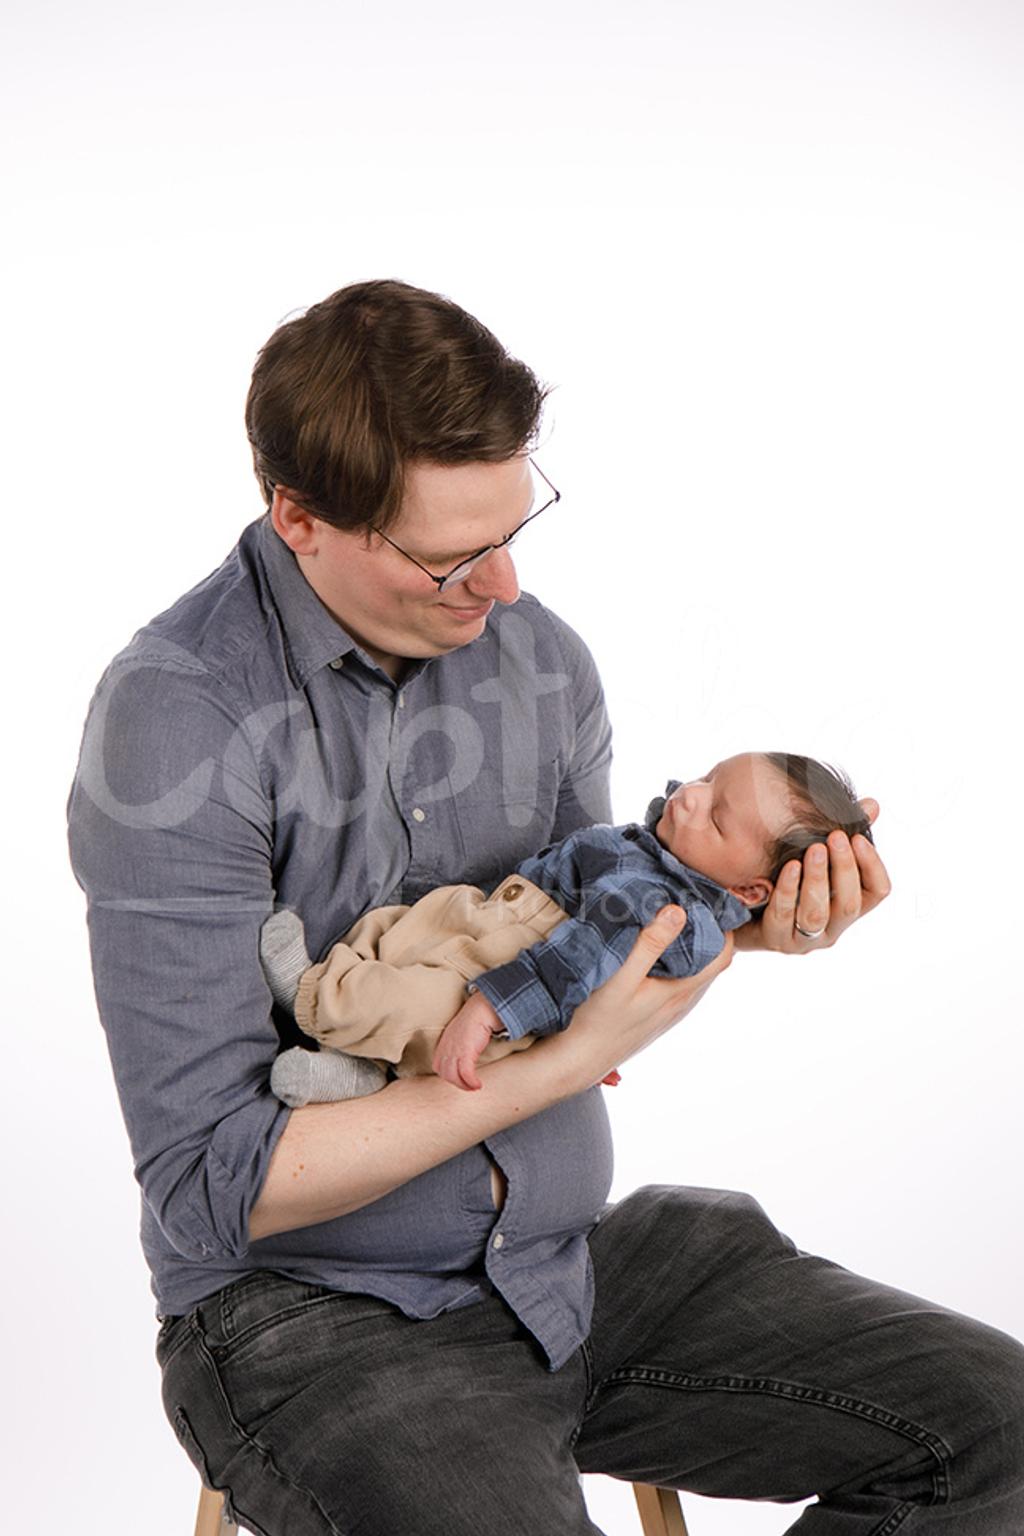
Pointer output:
393, 992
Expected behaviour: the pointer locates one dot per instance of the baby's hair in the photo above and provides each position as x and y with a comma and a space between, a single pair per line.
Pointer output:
825, 801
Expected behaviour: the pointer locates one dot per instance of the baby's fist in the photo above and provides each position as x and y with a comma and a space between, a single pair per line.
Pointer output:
464, 1041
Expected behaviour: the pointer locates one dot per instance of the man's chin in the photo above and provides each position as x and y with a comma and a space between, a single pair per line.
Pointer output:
449, 634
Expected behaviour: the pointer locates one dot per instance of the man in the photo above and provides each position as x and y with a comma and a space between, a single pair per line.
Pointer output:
402, 1312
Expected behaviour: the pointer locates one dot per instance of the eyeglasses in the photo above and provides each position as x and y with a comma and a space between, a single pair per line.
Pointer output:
464, 567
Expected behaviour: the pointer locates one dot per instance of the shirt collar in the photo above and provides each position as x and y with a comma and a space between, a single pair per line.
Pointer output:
313, 637
727, 909
656, 809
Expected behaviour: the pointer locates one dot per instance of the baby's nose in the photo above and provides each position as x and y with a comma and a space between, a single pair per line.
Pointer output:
695, 798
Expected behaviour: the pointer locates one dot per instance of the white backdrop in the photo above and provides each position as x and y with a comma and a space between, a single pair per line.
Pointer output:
771, 256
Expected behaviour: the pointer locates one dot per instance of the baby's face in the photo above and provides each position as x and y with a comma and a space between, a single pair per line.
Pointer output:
723, 824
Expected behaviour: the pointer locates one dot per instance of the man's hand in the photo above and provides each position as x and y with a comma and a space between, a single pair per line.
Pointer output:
632, 1008
814, 902
463, 1041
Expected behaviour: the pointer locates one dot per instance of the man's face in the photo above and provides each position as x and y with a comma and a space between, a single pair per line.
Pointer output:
723, 824
448, 512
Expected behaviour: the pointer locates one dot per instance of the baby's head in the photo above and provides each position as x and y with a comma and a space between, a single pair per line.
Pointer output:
751, 814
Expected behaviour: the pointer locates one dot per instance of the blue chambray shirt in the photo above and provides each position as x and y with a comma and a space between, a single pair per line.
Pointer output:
243, 753
610, 881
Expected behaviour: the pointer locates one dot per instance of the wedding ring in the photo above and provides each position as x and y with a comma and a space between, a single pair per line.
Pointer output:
808, 935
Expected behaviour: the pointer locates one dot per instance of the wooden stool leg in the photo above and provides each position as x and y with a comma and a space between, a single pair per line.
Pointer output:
661, 1513
210, 1519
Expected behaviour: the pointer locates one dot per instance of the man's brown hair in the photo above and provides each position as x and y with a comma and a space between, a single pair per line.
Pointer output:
375, 377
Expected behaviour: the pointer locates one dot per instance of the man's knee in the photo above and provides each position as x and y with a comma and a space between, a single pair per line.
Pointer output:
987, 1381
727, 1221
677, 1239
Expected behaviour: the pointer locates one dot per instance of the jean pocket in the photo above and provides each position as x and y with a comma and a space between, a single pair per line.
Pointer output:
251, 1305
267, 1314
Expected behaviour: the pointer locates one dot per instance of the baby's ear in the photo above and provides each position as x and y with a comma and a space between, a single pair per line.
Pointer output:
755, 892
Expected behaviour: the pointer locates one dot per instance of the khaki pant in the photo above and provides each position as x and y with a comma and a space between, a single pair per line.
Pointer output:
388, 988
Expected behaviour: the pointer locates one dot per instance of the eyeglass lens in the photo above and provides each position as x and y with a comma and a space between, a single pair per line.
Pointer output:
462, 571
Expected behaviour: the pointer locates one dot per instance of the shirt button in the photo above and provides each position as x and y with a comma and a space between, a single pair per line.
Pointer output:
511, 892
401, 701
337, 664
419, 815
498, 1241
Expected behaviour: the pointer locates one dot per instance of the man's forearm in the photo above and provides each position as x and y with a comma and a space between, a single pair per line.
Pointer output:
334, 1158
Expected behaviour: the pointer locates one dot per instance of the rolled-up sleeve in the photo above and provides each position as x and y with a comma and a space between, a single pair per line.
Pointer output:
170, 834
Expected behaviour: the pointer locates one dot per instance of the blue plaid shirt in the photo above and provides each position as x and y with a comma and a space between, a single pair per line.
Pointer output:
610, 881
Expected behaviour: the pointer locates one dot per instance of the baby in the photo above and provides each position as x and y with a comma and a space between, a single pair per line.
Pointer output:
393, 992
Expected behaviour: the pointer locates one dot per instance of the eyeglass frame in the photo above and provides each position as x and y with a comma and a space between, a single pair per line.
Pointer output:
453, 578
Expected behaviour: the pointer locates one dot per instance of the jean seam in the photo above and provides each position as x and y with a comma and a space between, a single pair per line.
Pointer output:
589, 1392
206, 1358
189, 1329
654, 1376
894, 1521
227, 1299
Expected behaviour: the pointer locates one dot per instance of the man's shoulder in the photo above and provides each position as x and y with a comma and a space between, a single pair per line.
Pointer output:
206, 631
192, 675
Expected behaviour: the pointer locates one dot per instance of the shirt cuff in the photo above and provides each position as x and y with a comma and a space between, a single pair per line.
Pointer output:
522, 1001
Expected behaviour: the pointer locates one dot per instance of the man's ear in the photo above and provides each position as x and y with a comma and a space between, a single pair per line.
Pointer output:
299, 529
754, 893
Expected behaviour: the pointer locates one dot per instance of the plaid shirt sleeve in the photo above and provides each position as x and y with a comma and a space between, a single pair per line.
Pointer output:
538, 992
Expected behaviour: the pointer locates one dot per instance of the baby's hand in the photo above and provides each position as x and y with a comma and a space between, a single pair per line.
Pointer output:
463, 1041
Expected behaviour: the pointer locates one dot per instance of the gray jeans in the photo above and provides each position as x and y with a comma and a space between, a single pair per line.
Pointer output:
721, 1359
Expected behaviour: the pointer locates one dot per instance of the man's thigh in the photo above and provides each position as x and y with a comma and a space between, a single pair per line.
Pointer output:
728, 1362
323, 1413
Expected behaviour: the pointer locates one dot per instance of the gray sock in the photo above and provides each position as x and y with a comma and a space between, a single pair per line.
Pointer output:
321, 1077
284, 957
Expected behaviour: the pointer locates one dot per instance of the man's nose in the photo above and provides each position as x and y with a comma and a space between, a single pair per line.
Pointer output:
494, 577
